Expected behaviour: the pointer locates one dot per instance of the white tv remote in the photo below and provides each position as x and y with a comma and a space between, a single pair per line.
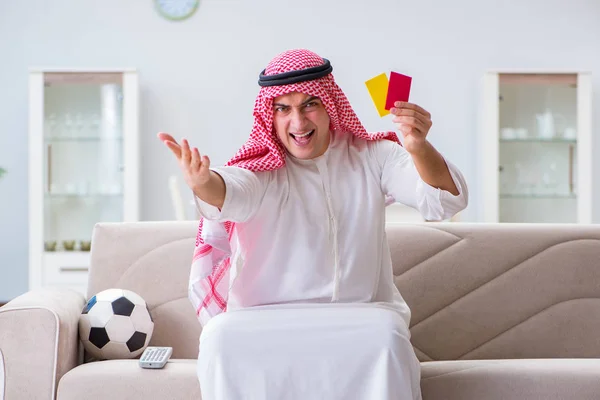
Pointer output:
155, 357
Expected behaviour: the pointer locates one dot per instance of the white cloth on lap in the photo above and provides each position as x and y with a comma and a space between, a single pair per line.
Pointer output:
308, 351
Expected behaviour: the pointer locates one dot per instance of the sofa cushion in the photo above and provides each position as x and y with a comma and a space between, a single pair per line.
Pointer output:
534, 379
125, 379
543, 379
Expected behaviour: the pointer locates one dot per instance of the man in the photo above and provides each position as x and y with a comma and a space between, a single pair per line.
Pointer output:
292, 244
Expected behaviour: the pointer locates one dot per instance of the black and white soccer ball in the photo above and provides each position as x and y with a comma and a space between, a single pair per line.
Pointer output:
115, 323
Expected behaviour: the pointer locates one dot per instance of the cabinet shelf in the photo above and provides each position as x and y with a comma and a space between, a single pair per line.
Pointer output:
537, 140
76, 195
538, 196
80, 139
73, 254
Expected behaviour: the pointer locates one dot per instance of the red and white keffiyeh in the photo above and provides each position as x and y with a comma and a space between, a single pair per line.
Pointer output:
216, 243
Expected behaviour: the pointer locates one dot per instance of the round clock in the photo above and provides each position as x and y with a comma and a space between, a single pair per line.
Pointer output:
176, 9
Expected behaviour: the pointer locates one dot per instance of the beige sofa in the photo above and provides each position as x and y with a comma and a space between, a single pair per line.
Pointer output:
499, 312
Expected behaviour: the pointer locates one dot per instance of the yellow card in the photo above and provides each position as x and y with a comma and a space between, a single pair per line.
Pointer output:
378, 88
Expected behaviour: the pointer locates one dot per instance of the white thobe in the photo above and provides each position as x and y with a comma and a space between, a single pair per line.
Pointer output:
311, 236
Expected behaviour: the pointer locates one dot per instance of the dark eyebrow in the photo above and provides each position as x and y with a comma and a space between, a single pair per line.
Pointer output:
311, 98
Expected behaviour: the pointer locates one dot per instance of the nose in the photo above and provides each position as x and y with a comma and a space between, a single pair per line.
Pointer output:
298, 121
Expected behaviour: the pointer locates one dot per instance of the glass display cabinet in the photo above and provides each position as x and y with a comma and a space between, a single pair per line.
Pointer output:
536, 147
83, 167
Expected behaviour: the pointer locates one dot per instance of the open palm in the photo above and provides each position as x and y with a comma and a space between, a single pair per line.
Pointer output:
195, 167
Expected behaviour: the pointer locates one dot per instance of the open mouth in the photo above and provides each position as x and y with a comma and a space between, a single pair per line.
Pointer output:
302, 139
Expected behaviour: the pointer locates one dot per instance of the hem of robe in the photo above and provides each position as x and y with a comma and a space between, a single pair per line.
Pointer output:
299, 351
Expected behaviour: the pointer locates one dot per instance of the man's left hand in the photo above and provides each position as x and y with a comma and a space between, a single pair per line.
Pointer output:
414, 123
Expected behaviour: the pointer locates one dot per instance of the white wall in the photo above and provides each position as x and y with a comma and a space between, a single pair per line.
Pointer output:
199, 77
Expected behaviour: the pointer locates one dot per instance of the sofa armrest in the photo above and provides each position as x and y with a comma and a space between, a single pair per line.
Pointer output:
39, 342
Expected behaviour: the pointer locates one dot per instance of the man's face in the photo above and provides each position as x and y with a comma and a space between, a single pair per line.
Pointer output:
302, 124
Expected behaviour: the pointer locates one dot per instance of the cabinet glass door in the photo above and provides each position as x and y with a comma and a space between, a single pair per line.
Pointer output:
538, 141
83, 156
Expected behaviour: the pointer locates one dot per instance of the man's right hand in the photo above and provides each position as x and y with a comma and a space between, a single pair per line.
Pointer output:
206, 184
195, 167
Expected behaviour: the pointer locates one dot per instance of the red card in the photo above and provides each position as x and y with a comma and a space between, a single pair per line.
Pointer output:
398, 89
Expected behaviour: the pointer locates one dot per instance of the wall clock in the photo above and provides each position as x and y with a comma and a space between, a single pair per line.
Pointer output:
176, 9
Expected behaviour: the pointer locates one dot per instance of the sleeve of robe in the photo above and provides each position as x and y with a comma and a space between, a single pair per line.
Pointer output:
244, 191
401, 180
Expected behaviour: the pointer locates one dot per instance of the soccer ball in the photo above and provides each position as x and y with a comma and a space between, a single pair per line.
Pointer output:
115, 323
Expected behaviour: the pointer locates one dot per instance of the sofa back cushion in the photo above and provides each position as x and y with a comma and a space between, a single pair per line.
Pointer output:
496, 291
476, 291
153, 260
